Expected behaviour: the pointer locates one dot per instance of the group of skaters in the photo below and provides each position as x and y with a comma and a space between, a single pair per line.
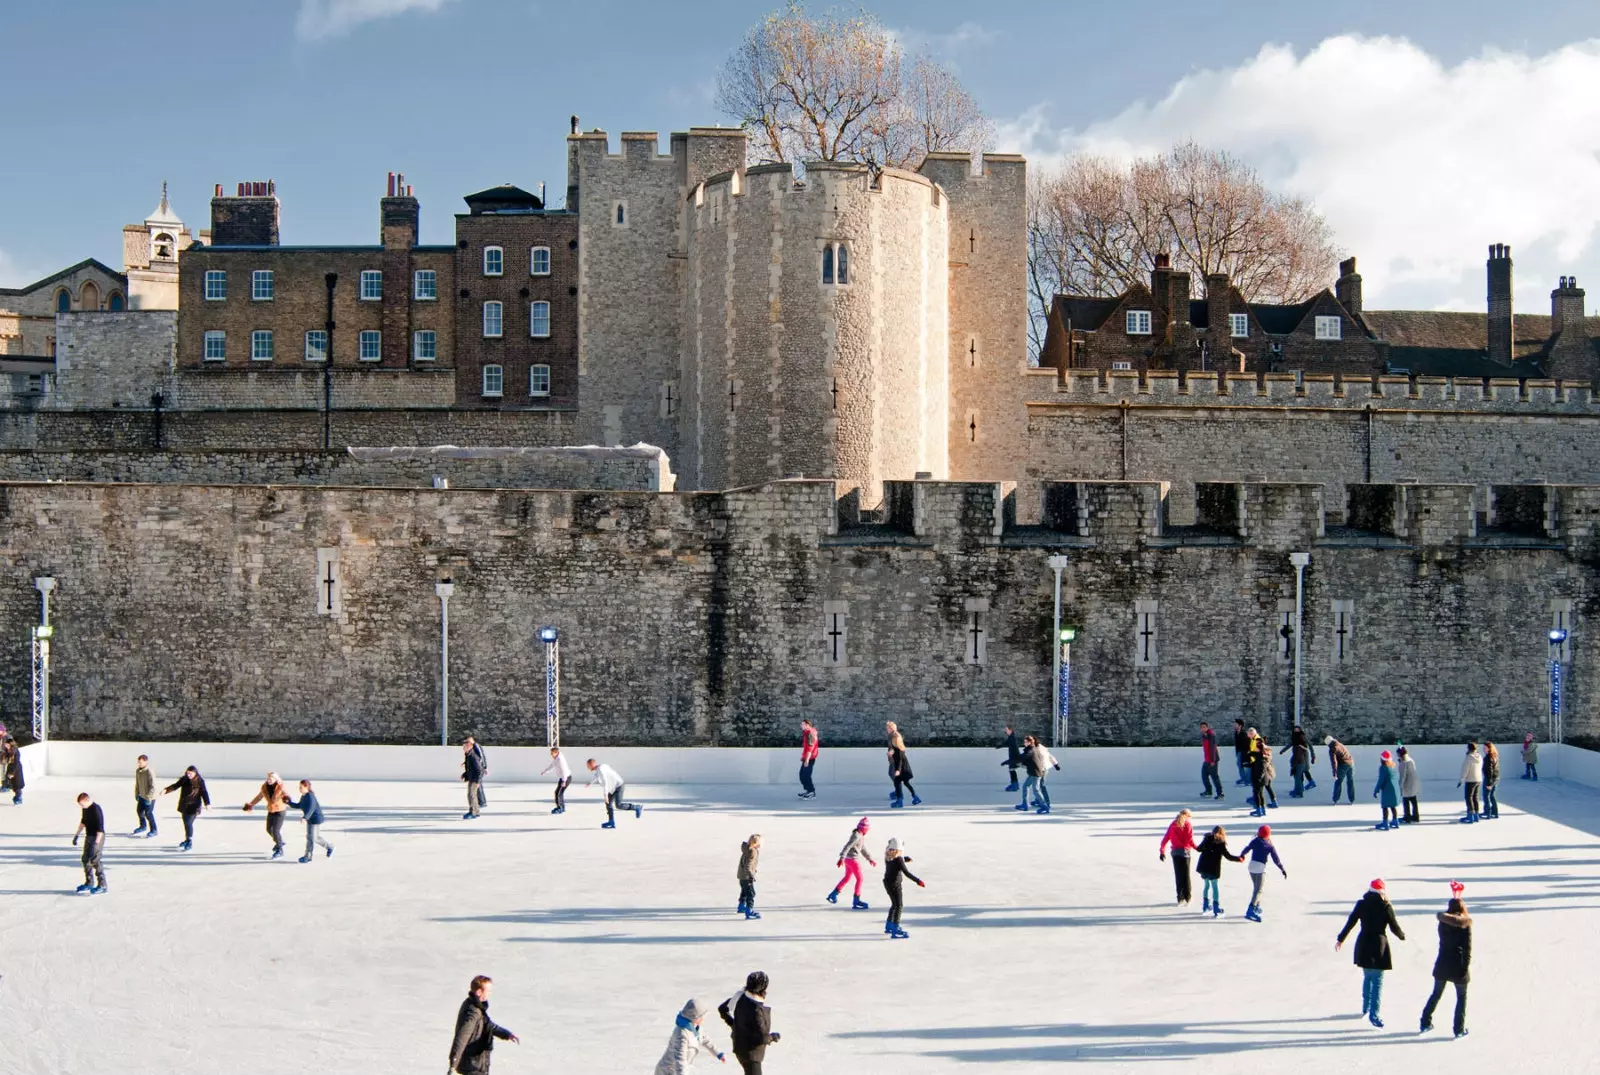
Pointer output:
475, 772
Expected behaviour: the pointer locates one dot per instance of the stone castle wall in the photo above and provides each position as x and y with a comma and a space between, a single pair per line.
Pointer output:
192, 612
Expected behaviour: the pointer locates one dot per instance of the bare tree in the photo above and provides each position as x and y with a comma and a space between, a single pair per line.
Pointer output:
1096, 225
837, 87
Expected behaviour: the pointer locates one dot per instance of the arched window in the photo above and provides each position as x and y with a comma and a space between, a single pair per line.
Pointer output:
115, 302
844, 264
622, 213
63, 302
163, 247
88, 296
827, 264
835, 263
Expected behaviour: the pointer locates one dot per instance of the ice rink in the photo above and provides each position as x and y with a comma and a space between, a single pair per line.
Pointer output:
1038, 941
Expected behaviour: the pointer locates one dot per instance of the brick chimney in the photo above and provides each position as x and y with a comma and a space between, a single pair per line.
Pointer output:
246, 218
1569, 357
1169, 293
399, 213
1501, 319
1348, 287
1566, 306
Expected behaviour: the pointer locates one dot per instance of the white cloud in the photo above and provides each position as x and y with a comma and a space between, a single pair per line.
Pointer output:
968, 35
1417, 166
321, 19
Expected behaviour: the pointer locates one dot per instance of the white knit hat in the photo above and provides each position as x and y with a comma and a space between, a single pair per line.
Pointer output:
894, 845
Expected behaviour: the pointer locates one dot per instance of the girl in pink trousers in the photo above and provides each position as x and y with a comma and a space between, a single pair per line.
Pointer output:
850, 856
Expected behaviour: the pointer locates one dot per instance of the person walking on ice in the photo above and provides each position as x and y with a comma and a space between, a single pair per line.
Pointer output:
472, 772
311, 810
1208, 762
144, 797
1491, 781
483, 768
276, 796
749, 863
850, 856
1530, 758
92, 827
472, 1048
1013, 756
896, 867
1455, 956
1302, 758
612, 785
1387, 792
1044, 761
1258, 851
1180, 834
810, 742
563, 773
1343, 765
1213, 849
687, 1042
1376, 916
1241, 748
1471, 776
747, 1014
900, 769
1410, 787
192, 798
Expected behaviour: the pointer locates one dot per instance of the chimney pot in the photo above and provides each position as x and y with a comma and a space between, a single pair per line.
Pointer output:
1163, 261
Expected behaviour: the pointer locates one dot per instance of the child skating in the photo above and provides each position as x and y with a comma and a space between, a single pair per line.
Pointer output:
749, 863
850, 856
688, 1041
1387, 792
1213, 849
1258, 851
1530, 758
896, 867
563, 771
311, 810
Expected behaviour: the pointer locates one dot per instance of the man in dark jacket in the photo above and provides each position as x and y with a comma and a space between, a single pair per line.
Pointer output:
751, 1021
1376, 916
472, 773
1455, 956
1241, 746
473, 1045
311, 810
1013, 756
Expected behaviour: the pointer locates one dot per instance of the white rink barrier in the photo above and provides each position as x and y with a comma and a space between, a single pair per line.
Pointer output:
739, 765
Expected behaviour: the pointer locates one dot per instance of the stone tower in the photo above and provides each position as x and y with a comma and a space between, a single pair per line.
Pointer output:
150, 253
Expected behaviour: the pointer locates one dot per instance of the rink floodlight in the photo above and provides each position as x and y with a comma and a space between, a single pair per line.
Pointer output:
1558, 635
549, 634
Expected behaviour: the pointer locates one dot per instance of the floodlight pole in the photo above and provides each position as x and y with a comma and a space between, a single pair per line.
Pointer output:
1058, 564
1558, 638
1299, 560
551, 637
444, 590
45, 584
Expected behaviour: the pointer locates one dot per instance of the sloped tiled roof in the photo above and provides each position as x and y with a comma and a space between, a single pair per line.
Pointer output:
63, 274
1280, 320
1459, 331
1085, 314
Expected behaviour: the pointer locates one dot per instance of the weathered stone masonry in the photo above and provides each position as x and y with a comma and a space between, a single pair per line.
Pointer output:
193, 611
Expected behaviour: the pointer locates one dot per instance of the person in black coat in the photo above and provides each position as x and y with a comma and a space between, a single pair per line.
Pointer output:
11, 774
1241, 746
472, 1048
1377, 920
1013, 756
1455, 955
192, 798
1213, 849
751, 1022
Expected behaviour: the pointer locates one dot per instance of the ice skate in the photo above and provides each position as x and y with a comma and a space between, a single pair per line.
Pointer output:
858, 904
98, 890
304, 858
329, 852
898, 934
83, 890
833, 897
751, 912
1375, 1021
915, 801
638, 812
608, 824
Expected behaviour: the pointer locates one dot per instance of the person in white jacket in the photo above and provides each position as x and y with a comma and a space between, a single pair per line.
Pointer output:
563, 773
1045, 761
1410, 787
687, 1042
611, 783
1471, 777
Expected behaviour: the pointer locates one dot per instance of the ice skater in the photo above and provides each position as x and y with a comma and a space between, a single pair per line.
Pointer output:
276, 797
192, 798
1208, 762
92, 827
1452, 962
1387, 792
1213, 849
1030, 786
850, 856
472, 772
1471, 777
900, 769
11, 769
1302, 756
1044, 761
1343, 766
1259, 850
563, 772
483, 768
687, 1042
472, 1047
1376, 916
1259, 761
1410, 787
1013, 760
1491, 780
810, 743
1180, 834
1530, 758
311, 810
611, 784
144, 797
1241, 747
747, 1014
749, 863
896, 868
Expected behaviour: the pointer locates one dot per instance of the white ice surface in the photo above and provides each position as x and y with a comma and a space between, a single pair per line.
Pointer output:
1037, 941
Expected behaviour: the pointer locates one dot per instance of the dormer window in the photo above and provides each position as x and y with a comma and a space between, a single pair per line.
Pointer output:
1137, 323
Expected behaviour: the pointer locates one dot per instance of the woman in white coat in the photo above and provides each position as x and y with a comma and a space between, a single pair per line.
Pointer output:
1410, 787
687, 1042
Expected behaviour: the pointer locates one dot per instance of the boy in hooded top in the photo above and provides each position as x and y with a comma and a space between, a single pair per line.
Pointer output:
688, 1041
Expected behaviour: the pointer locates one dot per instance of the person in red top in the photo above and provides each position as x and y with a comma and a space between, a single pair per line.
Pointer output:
809, 741
1180, 834
1208, 763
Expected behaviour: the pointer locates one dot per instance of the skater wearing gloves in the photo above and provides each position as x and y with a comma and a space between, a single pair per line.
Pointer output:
1455, 956
1180, 834
1491, 780
276, 796
311, 810
563, 773
1259, 850
1302, 758
900, 769
1387, 792
1410, 787
1530, 758
1213, 849
1376, 916
896, 867
472, 772
144, 797
192, 798
687, 1042
810, 742
749, 863
1208, 762
1471, 777
1343, 765
612, 785
473, 1045
854, 849
92, 827
1013, 756
751, 1020
1044, 761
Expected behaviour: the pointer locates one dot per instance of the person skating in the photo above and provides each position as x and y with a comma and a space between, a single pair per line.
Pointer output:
1343, 765
472, 1047
1530, 758
900, 769
92, 827
1259, 763
1258, 851
11, 769
1213, 849
1410, 787
749, 863
1471, 777
192, 798
1387, 792
483, 769
311, 810
810, 745
1269, 773
1013, 760
1491, 780
850, 856
472, 773
896, 867
1044, 761
1302, 756
1030, 786
1208, 762
1180, 834
563, 773
1241, 745
687, 1042
615, 790
1452, 962
747, 1014
1376, 916
144, 797
276, 796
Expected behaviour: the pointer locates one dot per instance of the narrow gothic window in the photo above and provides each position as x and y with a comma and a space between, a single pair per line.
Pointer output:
1285, 630
827, 264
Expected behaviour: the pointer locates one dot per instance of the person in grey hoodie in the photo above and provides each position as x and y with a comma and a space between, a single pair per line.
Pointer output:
854, 849
1471, 776
1410, 787
688, 1041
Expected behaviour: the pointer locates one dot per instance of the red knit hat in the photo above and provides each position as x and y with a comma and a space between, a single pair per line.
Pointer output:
863, 825
1264, 831
1384, 755
1377, 884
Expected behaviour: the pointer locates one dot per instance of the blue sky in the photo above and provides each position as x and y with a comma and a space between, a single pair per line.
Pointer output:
1384, 114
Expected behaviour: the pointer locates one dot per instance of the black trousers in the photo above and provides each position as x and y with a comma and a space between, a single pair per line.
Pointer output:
1180, 874
747, 894
805, 776
1412, 813
1263, 791
1471, 795
896, 902
275, 828
898, 782
561, 792
1461, 1003
751, 1067
188, 826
